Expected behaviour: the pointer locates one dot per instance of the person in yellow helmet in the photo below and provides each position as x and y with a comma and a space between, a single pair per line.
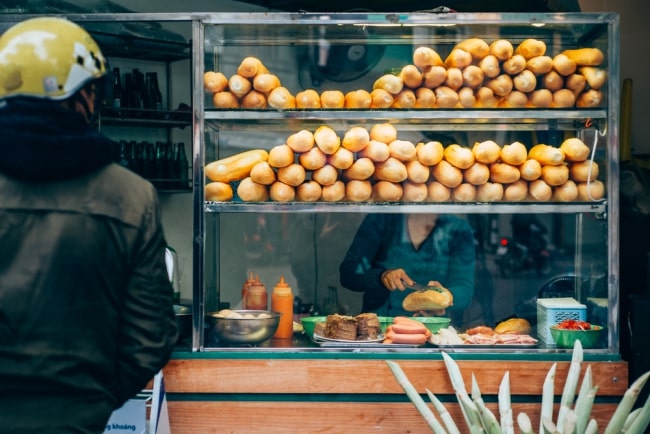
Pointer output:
86, 311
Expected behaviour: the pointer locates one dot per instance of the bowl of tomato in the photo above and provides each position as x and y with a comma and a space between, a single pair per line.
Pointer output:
567, 332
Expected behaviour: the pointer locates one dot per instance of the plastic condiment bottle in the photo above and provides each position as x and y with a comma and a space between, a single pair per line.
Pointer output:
282, 302
247, 284
256, 296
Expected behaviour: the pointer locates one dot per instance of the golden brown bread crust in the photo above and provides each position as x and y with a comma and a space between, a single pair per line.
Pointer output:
430, 299
513, 325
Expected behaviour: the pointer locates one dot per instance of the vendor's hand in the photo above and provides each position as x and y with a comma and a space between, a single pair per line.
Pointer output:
396, 279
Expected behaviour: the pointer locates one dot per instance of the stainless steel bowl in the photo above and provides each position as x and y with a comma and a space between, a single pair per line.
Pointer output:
244, 327
183, 321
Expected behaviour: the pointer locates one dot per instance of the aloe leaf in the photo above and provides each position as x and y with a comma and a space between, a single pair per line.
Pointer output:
415, 398
641, 422
548, 393
445, 416
490, 422
625, 406
470, 412
630, 418
568, 394
524, 424
585, 400
548, 427
505, 406
592, 427
569, 424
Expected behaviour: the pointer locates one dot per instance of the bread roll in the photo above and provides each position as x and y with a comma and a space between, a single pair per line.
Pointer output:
487, 151
389, 82
411, 76
490, 66
555, 175
414, 192
515, 99
567, 192
459, 156
302, 141
281, 99
429, 153
552, 81
309, 191
514, 153
402, 150
293, 174
225, 100
326, 175
308, 99
434, 76
355, 139
437, 192
250, 67
458, 58
281, 156
424, 57
239, 85
585, 56
563, 65
250, 191
530, 170
466, 97
214, 81
515, 192
392, 170
332, 99
514, 65
489, 192
591, 191
502, 49
576, 83
477, 174
425, 98
446, 97
218, 192
530, 48
513, 325
504, 173
485, 98
525, 81
281, 192
381, 99
546, 155
539, 65
431, 299
541, 98
266, 82
447, 174
583, 171
358, 190
501, 85
327, 139
417, 172
254, 100
589, 98
454, 78
563, 98
465, 192
263, 173
386, 191
596, 77
341, 159
377, 151
362, 168
477, 47
575, 149
358, 99
313, 159
404, 100
540, 191
385, 132
334, 192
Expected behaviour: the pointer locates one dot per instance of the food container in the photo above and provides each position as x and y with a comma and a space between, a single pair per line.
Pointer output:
243, 327
384, 322
551, 311
433, 323
566, 338
309, 323
183, 321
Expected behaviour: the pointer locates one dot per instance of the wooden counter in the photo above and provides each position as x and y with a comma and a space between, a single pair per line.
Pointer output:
348, 392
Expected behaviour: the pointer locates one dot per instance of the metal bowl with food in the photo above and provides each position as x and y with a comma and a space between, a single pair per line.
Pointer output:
243, 327
183, 321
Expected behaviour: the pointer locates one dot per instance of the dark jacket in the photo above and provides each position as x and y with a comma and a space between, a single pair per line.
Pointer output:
86, 313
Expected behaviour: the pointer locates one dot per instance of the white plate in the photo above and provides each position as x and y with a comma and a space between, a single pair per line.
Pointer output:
348, 341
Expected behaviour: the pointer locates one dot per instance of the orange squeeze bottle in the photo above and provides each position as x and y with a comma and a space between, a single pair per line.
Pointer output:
282, 302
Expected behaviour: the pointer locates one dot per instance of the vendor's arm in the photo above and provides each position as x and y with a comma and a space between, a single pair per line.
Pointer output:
462, 262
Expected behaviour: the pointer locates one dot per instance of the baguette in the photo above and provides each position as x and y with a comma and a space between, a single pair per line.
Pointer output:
334, 192
214, 81
356, 139
514, 153
437, 192
263, 173
281, 192
235, 167
429, 153
357, 190
218, 192
585, 56
281, 156
465, 192
424, 98
309, 191
530, 48
477, 47
313, 159
341, 159
486, 152
502, 49
377, 151
250, 191
386, 191
546, 154
411, 76
433, 298
250, 67
489, 192
424, 57
414, 192
308, 99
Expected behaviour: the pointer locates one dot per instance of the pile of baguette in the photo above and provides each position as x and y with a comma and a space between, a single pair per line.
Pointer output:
474, 74
366, 165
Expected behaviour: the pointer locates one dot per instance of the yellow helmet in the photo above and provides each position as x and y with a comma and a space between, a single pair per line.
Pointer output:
49, 58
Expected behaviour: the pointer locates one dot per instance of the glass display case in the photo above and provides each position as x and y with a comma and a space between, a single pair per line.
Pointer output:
545, 241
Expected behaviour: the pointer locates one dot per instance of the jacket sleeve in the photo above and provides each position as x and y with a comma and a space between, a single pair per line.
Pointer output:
148, 331
462, 263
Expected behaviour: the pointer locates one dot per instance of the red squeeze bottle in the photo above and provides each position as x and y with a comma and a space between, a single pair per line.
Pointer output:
244, 289
256, 296
282, 302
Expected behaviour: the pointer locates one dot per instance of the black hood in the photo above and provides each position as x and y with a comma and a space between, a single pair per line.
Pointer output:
42, 141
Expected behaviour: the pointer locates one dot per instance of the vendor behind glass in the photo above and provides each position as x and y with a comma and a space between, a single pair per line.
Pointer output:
391, 252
